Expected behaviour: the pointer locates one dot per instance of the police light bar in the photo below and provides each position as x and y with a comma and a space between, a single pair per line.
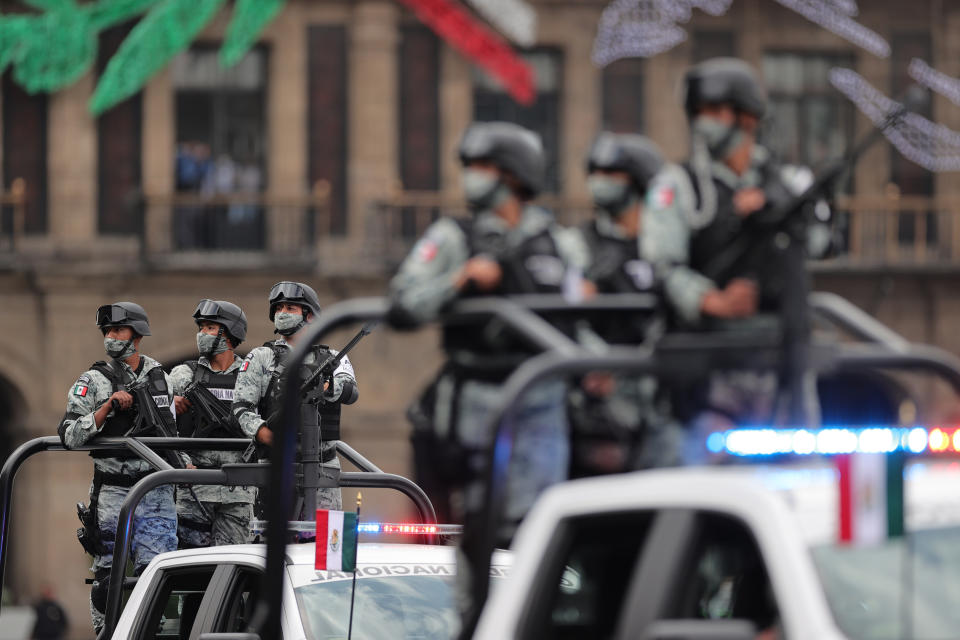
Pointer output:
754, 441
259, 527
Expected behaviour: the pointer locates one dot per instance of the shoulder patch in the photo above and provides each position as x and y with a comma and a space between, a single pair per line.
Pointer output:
426, 250
80, 389
664, 196
84, 379
245, 365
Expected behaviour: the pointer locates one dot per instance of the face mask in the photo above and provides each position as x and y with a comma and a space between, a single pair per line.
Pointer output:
209, 346
609, 194
287, 323
483, 189
721, 139
119, 349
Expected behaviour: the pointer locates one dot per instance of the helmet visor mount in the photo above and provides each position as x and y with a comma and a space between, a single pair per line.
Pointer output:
287, 291
207, 309
111, 314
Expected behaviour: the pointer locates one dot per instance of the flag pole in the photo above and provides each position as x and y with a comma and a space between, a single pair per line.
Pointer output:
353, 587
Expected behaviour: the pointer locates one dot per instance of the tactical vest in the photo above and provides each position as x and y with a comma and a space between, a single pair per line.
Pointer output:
720, 232
221, 385
121, 422
329, 412
534, 266
615, 263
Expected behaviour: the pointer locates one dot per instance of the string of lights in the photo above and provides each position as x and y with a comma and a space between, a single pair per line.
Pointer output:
936, 80
836, 16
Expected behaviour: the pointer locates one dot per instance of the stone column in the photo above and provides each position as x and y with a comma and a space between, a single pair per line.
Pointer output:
456, 113
159, 139
581, 99
72, 168
286, 126
373, 106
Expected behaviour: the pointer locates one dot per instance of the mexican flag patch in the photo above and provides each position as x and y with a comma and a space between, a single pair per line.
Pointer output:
336, 541
80, 390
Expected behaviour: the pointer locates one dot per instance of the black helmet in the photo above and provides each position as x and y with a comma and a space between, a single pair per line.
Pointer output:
510, 147
634, 154
232, 317
723, 81
295, 292
123, 314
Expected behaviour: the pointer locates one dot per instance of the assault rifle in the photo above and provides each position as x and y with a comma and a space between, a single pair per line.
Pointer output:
210, 413
312, 388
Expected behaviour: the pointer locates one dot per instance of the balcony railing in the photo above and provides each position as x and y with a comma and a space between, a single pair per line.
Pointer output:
245, 230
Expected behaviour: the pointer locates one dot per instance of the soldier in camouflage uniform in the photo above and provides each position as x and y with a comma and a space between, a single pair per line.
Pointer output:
507, 247
620, 423
696, 211
256, 399
223, 326
98, 403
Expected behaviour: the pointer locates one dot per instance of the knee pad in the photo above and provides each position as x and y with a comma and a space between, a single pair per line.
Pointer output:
101, 586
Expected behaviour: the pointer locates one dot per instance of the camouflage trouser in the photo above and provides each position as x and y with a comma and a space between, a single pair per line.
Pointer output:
541, 451
230, 525
154, 532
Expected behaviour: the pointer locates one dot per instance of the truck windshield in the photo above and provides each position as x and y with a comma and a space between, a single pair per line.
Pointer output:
392, 602
905, 588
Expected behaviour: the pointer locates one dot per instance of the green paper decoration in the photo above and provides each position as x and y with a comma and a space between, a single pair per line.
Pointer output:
53, 48
249, 19
167, 30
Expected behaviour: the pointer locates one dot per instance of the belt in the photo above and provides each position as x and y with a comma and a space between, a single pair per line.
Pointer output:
118, 479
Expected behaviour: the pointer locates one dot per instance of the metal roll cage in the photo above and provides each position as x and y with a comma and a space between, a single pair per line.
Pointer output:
240, 474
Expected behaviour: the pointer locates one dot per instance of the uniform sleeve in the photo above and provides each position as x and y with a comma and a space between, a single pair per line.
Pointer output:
426, 280
665, 243
179, 379
89, 391
252, 382
183, 455
343, 376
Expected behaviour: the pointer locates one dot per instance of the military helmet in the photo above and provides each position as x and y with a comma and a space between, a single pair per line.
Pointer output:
123, 314
724, 81
510, 148
634, 154
227, 314
296, 293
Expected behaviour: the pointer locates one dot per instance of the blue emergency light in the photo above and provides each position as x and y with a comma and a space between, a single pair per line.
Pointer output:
761, 441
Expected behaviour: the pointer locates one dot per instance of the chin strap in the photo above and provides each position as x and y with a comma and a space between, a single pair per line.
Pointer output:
216, 343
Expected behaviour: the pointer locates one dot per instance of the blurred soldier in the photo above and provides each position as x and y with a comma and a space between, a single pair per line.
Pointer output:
256, 400
99, 403
507, 247
225, 512
620, 423
695, 213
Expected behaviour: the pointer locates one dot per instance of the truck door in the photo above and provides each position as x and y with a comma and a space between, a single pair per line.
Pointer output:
173, 601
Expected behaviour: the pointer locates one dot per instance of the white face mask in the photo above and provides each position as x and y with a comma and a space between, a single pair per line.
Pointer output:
483, 189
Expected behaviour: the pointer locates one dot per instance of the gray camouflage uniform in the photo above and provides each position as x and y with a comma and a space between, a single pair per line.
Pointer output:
423, 286
231, 507
155, 519
671, 218
253, 382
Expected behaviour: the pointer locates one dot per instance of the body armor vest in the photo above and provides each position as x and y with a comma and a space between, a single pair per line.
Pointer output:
221, 385
121, 422
270, 403
534, 266
764, 267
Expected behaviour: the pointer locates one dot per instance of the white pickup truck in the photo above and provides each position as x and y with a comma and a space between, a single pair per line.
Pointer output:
403, 591
744, 552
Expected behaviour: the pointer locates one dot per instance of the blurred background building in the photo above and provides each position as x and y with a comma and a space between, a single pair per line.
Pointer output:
331, 145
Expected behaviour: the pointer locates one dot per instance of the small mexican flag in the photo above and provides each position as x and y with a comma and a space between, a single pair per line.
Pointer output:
336, 541
871, 497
